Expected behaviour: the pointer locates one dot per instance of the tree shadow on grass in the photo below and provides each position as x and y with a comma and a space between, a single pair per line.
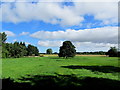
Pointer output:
60, 82
104, 69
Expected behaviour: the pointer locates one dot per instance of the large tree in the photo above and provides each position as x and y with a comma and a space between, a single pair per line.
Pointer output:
49, 51
113, 52
67, 50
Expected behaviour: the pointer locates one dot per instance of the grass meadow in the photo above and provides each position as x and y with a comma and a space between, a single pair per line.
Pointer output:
75, 72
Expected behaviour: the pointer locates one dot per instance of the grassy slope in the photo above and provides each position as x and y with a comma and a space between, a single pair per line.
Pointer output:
15, 68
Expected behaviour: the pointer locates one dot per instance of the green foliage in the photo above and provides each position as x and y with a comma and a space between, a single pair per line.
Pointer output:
23, 49
113, 52
49, 51
5, 52
16, 49
3, 36
32, 50
67, 50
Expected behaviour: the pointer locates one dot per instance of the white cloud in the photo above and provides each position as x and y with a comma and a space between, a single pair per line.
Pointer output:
58, 43
96, 39
47, 12
94, 45
95, 35
101, 11
89, 46
9, 33
48, 43
80, 46
55, 13
24, 33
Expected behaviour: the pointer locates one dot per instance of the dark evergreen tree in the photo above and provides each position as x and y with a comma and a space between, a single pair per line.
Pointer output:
3, 36
67, 50
17, 50
23, 48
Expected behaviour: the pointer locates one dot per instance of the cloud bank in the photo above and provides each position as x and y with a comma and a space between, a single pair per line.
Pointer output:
59, 13
66, 15
87, 39
96, 35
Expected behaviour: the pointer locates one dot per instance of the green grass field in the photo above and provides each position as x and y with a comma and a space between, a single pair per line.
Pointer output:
105, 67
79, 66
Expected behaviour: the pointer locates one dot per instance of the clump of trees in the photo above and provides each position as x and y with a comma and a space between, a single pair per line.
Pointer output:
113, 52
32, 50
16, 49
67, 50
49, 51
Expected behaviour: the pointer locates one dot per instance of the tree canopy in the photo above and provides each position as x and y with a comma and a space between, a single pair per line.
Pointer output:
67, 50
3, 36
17, 49
49, 51
32, 50
113, 52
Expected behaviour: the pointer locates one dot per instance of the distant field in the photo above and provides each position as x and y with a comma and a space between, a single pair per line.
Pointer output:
79, 66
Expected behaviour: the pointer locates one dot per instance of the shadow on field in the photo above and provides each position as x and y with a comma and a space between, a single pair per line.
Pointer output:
104, 69
60, 82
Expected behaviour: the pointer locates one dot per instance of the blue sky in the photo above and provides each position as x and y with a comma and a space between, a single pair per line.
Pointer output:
90, 26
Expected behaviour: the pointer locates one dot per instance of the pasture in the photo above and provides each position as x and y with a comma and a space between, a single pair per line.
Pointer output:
75, 72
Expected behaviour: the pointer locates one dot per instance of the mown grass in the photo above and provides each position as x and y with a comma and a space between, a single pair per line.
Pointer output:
79, 73
80, 66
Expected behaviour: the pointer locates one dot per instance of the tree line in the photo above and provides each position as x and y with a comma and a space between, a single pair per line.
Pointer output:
68, 50
17, 49
92, 53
